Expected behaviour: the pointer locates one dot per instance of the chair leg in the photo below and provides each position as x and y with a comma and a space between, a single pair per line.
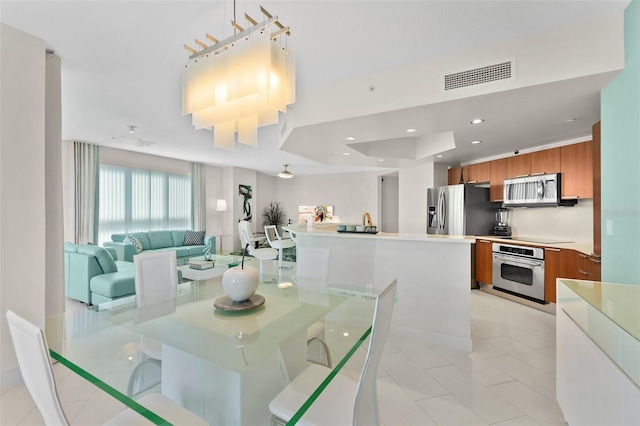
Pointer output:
277, 421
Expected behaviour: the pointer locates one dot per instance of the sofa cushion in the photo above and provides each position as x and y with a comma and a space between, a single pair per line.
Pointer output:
113, 285
143, 238
194, 238
137, 245
182, 251
160, 239
178, 238
118, 238
103, 257
196, 250
70, 247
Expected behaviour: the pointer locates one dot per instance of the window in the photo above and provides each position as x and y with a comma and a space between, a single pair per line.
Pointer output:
133, 200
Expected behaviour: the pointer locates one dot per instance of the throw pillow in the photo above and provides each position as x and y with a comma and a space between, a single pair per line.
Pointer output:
135, 242
194, 238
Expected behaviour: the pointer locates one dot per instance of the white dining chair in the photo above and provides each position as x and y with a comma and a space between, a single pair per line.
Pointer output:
156, 283
274, 240
312, 279
254, 241
156, 278
344, 401
35, 365
262, 254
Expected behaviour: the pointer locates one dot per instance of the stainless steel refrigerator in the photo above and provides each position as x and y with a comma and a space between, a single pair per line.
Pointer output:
460, 210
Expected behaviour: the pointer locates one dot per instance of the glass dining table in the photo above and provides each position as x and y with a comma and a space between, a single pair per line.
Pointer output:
224, 366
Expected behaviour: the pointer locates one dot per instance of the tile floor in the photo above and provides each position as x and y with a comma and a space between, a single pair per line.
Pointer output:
509, 379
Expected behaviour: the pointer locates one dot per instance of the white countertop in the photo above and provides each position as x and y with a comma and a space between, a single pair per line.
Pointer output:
586, 248
329, 230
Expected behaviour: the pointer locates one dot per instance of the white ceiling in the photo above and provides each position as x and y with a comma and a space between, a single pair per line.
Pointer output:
122, 64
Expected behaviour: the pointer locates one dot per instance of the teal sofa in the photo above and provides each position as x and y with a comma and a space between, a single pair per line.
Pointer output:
93, 274
158, 241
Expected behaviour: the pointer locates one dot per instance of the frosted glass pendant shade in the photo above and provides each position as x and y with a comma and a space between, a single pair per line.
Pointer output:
239, 89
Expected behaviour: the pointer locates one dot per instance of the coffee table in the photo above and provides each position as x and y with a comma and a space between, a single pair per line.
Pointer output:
220, 264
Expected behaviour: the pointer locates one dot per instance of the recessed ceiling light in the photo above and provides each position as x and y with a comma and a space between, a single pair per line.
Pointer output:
569, 120
346, 153
131, 128
411, 130
439, 155
350, 138
476, 142
380, 159
477, 121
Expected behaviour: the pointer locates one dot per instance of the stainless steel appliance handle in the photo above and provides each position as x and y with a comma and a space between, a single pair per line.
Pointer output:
519, 261
540, 189
443, 211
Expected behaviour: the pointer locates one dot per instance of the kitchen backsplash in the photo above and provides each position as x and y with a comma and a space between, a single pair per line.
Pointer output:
567, 223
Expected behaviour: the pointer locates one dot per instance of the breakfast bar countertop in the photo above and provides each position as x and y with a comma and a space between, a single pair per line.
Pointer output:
329, 229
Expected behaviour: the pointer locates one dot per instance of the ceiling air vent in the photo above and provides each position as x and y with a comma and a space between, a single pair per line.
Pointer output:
476, 76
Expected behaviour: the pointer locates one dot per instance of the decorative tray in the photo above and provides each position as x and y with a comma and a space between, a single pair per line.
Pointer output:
357, 232
225, 303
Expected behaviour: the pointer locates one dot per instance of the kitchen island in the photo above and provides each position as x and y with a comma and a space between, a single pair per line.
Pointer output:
434, 274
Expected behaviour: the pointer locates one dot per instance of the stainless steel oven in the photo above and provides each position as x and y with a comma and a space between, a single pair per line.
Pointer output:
519, 270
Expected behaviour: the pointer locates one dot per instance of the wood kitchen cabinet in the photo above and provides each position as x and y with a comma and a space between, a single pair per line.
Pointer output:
587, 267
518, 165
484, 261
476, 173
453, 175
597, 191
497, 175
558, 263
545, 161
576, 162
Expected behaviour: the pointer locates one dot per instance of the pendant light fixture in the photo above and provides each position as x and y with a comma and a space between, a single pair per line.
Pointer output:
285, 174
241, 83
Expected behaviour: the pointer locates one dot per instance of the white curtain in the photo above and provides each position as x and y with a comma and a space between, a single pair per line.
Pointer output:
86, 168
199, 197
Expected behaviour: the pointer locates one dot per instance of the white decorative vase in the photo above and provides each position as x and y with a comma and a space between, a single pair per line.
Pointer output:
240, 283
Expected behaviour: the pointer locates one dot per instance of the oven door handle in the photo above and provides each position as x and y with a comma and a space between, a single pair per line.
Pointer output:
518, 261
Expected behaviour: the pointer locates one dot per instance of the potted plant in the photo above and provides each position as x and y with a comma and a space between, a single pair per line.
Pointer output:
274, 214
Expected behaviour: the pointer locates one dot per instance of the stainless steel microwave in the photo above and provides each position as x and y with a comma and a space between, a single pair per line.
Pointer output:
535, 191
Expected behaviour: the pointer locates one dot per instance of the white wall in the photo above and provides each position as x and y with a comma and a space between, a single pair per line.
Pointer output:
413, 198
567, 223
54, 261
119, 157
351, 194
22, 187
68, 191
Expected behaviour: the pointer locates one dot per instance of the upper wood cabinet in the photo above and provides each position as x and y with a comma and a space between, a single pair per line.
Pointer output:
497, 175
476, 173
597, 195
453, 175
518, 165
545, 161
576, 163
